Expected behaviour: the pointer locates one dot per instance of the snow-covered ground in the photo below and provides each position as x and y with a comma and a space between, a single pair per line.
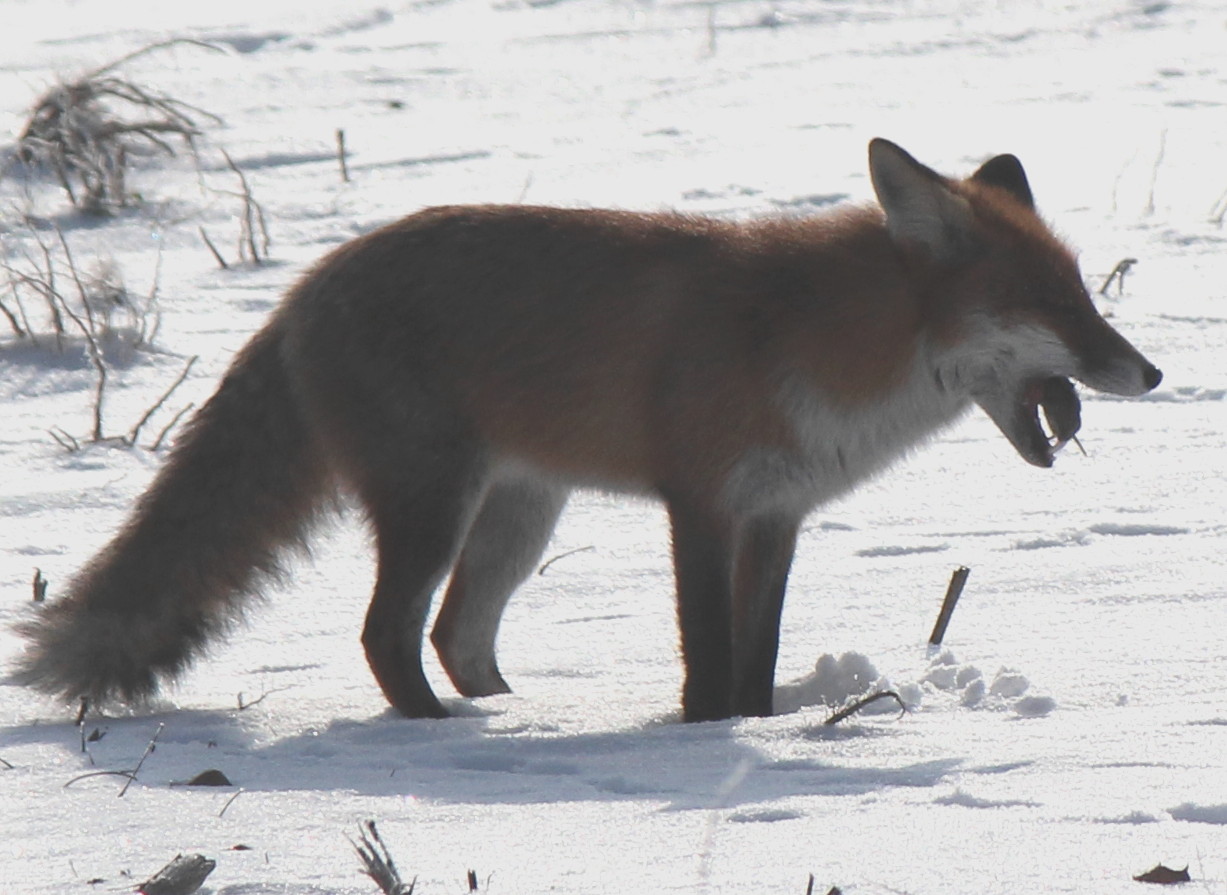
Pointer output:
1072, 736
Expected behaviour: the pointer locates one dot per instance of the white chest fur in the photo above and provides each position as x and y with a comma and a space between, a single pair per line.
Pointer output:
836, 446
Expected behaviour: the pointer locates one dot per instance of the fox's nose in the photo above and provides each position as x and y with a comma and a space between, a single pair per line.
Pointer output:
1152, 376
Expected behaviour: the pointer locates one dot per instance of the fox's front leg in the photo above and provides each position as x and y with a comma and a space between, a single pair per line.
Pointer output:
702, 566
765, 548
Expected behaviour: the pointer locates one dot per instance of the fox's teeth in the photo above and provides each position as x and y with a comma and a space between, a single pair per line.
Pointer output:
1041, 419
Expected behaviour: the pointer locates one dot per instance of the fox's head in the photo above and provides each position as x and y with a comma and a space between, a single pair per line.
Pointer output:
1008, 307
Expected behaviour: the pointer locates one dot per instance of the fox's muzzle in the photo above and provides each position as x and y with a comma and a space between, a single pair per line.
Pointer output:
1109, 363
1119, 370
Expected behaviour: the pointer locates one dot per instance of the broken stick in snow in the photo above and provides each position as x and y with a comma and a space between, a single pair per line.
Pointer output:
957, 580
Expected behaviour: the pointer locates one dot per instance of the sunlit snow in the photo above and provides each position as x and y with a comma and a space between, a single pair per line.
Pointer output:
1069, 735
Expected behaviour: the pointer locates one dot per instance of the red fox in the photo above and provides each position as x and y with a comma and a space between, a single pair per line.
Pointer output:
462, 370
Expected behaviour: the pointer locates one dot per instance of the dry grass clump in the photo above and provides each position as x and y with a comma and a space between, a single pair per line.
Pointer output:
83, 131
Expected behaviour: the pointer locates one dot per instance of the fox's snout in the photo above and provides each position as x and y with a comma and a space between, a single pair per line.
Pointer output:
1111, 364
1128, 378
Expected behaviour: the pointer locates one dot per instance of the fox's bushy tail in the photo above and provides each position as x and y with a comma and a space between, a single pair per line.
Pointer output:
243, 483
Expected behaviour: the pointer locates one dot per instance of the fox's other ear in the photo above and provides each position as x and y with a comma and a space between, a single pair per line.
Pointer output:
1006, 172
921, 210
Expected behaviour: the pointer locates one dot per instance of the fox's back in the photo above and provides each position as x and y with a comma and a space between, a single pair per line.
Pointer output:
585, 338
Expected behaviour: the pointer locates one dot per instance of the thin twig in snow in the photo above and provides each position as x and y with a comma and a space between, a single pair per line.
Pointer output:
851, 710
174, 421
122, 60
1123, 266
157, 405
552, 560
221, 262
341, 155
148, 749
229, 802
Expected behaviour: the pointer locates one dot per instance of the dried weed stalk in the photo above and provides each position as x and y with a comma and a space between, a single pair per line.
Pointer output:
48, 296
253, 243
51, 298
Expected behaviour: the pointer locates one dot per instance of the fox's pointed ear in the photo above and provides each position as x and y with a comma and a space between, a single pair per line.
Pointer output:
921, 210
1006, 172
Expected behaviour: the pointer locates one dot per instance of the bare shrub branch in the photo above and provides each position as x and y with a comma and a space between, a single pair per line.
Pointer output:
1123, 266
148, 751
252, 221
157, 405
174, 421
217, 256
100, 308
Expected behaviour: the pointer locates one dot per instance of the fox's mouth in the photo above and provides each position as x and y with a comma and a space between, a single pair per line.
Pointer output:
1019, 418
1062, 410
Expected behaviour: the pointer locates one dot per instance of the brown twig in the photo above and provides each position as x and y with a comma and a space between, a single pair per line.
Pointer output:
341, 155
953, 591
809, 889
851, 710
552, 560
89, 328
221, 262
252, 220
131, 775
229, 802
148, 749
1122, 267
40, 586
174, 421
14, 323
64, 440
244, 706
157, 405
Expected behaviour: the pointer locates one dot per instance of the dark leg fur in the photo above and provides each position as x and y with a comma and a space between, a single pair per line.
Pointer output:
418, 533
704, 608
764, 556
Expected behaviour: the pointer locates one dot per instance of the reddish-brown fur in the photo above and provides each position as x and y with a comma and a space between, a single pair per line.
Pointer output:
461, 370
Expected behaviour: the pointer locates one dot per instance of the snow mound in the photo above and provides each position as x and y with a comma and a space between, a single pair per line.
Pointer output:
834, 681
1006, 691
837, 681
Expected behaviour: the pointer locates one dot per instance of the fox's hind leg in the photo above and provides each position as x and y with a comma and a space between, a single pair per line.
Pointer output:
419, 527
504, 544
